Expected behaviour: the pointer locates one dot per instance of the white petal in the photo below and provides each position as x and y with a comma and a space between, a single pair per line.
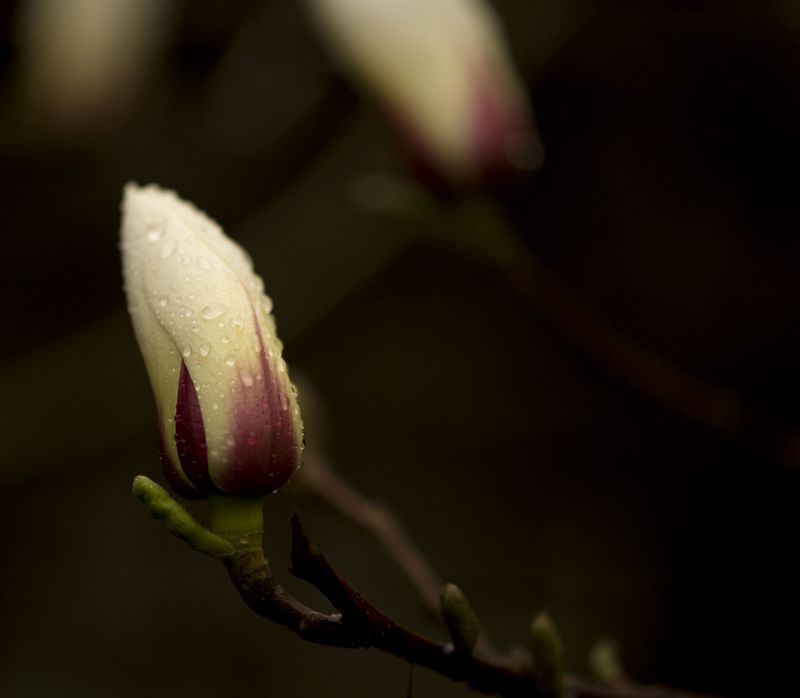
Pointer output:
194, 297
422, 58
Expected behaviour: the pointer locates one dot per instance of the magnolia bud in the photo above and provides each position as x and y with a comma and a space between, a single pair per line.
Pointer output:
228, 416
84, 60
442, 71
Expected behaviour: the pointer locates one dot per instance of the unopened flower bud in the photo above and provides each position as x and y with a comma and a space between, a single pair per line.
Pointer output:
84, 60
548, 655
228, 416
461, 621
442, 71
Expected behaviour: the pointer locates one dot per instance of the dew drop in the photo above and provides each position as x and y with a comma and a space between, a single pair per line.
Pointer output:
230, 360
225, 339
247, 377
153, 233
204, 349
167, 249
186, 351
214, 310
204, 264
163, 301
214, 405
257, 284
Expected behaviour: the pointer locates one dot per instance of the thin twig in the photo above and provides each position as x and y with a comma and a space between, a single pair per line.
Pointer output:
387, 530
359, 624
380, 522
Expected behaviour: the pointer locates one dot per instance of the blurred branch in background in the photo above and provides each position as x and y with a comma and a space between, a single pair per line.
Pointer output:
477, 228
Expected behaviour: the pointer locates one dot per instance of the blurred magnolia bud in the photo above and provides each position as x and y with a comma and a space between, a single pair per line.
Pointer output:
460, 619
442, 71
228, 416
548, 655
84, 59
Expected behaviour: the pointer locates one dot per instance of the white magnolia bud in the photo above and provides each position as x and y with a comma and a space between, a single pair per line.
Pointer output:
228, 414
442, 71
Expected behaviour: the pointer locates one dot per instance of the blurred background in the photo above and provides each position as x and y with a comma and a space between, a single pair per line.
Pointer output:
529, 476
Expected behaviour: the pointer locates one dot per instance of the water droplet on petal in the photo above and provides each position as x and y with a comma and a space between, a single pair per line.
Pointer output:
186, 351
230, 360
163, 301
167, 249
247, 377
214, 310
257, 283
153, 233
204, 349
204, 264
225, 339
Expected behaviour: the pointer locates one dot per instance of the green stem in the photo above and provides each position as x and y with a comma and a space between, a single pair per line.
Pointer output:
173, 517
239, 519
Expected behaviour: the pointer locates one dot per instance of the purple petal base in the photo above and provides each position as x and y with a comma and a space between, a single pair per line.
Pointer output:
171, 469
264, 454
190, 442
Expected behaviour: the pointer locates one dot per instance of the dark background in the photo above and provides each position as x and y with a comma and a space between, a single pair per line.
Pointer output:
668, 200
